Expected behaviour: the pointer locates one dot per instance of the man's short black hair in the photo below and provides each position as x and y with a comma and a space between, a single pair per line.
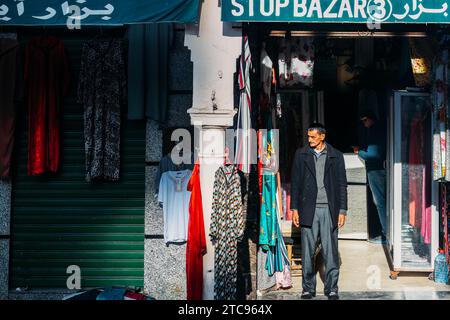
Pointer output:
318, 126
367, 113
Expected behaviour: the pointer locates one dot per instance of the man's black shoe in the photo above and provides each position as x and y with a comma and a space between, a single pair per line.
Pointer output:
333, 296
307, 295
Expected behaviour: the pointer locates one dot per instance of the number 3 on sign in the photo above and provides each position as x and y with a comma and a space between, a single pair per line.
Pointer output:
380, 10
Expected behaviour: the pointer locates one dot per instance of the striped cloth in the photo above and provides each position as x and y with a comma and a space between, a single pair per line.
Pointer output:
244, 149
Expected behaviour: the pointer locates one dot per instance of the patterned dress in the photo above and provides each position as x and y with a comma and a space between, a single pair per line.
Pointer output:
227, 227
102, 90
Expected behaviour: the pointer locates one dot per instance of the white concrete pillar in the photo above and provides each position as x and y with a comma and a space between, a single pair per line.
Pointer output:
210, 158
214, 46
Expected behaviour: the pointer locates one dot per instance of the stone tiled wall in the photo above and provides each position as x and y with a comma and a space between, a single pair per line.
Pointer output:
5, 211
165, 271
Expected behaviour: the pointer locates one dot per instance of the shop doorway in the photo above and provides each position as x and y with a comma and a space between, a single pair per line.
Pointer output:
351, 73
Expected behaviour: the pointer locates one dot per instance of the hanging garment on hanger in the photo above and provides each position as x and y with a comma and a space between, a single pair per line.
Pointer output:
268, 210
266, 72
270, 237
260, 164
102, 91
438, 173
148, 70
284, 146
174, 196
196, 242
296, 62
437, 98
47, 83
166, 164
264, 281
277, 262
8, 95
244, 143
425, 229
227, 227
281, 264
441, 133
268, 213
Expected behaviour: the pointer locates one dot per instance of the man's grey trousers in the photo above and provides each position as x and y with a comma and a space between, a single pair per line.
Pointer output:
322, 230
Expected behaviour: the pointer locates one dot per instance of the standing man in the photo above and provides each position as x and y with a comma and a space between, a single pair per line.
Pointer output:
319, 204
373, 153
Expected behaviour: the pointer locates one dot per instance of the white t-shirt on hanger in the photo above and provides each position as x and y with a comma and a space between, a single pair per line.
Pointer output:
174, 196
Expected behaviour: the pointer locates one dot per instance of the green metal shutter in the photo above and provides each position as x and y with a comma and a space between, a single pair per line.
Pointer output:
61, 220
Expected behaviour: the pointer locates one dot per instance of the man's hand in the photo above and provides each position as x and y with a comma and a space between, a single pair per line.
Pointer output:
295, 218
355, 149
341, 221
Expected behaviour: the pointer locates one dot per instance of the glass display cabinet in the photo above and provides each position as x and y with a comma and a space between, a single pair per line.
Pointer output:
412, 195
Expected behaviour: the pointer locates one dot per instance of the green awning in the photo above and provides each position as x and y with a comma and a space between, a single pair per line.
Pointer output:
337, 11
96, 12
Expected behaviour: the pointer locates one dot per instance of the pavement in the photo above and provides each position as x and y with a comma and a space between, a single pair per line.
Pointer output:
364, 274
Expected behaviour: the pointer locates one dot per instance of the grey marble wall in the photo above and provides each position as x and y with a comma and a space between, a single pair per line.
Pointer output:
5, 214
165, 266
44, 294
165, 272
5, 207
181, 69
153, 141
4, 267
178, 106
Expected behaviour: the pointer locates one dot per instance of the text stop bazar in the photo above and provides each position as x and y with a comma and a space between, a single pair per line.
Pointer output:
301, 8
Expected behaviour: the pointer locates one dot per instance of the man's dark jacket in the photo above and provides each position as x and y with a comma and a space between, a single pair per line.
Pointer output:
304, 185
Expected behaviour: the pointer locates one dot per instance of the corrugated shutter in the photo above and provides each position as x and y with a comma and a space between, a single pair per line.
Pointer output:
61, 220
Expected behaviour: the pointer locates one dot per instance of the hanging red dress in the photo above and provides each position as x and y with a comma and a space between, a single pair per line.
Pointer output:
47, 82
416, 173
8, 90
196, 242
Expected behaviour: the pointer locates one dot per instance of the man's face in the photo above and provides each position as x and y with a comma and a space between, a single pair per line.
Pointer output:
315, 138
367, 122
